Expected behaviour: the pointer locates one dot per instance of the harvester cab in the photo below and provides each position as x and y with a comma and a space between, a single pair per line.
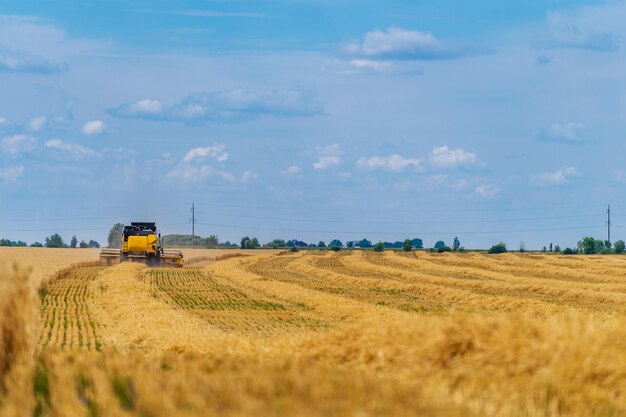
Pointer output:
141, 243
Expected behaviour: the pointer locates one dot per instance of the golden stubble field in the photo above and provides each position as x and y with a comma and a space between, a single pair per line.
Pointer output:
314, 333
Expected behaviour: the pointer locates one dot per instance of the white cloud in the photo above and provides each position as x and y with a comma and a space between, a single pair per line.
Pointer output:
16, 144
554, 178
216, 152
37, 124
400, 44
249, 176
394, 163
445, 157
293, 170
147, 106
328, 156
190, 173
73, 148
18, 61
190, 168
324, 162
11, 173
373, 66
332, 149
566, 34
230, 105
94, 127
565, 133
141, 109
3, 122
35, 45
365, 65
620, 176
487, 191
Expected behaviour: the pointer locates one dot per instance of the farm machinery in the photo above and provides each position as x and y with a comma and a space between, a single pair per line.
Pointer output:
141, 243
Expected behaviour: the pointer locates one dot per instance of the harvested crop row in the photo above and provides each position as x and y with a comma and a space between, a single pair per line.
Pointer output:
558, 269
498, 284
286, 269
66, 311
225, 306
388, 287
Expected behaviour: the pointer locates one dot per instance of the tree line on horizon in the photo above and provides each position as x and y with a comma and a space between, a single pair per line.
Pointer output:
587, 245
53, 241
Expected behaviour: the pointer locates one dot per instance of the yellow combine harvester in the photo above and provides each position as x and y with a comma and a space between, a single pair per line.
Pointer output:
140, 243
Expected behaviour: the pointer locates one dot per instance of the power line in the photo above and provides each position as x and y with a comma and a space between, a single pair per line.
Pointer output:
314, 209
404, 233
398, 210
75, 229
300, 209
79, 207
301, 219
47, 219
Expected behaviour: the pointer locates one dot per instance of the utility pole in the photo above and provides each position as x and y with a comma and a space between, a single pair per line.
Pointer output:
608, 223
193, 220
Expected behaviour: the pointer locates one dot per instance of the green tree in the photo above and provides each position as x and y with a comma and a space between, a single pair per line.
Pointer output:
439, 244
407, 246
443, 249
619, 247
589, 245
364, 243
557, 249
36, 245
245, 242
93, 244
254, 243
277, 243
83, 244
456, 244
498, 248
73, 242
569, 251
379, 247
55, 241
321, 244
115, 236
177, 241
417, 243
335, 243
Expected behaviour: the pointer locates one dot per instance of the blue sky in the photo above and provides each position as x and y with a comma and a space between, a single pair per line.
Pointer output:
314, 120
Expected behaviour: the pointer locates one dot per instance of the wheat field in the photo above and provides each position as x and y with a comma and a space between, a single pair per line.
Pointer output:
314, 333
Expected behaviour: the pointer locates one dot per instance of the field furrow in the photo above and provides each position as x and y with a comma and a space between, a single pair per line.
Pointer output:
66, 311
225, 306
487, 282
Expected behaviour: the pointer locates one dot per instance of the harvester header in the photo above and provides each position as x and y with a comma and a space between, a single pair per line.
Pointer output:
141, 243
